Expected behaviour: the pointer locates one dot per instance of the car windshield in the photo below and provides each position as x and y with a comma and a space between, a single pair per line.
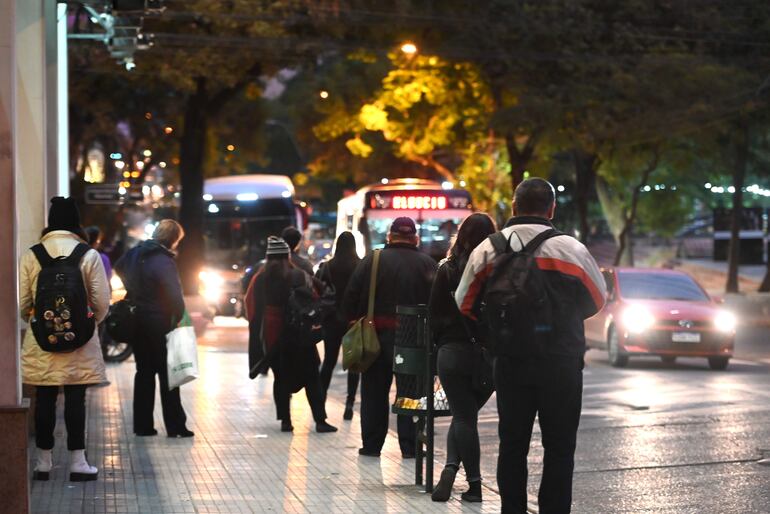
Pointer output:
660, 286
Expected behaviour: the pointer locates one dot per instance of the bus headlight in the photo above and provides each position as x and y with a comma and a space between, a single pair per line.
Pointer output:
725, 321
637, 319
212, 283
116, 283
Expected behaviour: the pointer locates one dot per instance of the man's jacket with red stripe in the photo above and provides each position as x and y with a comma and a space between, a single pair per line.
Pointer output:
575, 283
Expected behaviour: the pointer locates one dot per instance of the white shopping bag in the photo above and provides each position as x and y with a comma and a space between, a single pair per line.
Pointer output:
182, 357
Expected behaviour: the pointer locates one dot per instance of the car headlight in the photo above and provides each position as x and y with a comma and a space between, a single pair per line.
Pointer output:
637, 319
212, 285
725, 321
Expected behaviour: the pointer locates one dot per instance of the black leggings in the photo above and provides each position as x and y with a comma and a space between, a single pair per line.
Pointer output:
332, 343
455, 370
74, 416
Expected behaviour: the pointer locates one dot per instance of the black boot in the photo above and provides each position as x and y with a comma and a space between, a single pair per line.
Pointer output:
286, 426
322, 427
348, 411
473, 494
443, 489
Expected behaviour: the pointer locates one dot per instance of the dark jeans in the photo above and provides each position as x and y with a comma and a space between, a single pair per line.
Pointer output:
74, 416
375, 406
150, 354
332, 342
313, 390
552, 389
455, 369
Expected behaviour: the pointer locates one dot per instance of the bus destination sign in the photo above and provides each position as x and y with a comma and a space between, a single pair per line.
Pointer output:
415, 200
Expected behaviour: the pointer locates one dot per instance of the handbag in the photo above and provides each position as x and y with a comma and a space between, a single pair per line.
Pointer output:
182, 354
121, 321
360, 345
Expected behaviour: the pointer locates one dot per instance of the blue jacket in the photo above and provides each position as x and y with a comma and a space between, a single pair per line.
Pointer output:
150, 276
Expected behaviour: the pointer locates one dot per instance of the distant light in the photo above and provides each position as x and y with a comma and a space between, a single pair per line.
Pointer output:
647, 189
168, 130
213, 209
162, 164
135, 174
207, 197
233, 301
247, 197
140, 165
230, 148
120, 164
673, 188
324, 95
560, 189
303, 204
126, 174
147, 153
286, 194
157, 190
116, 155
731, 189
145, 190
150, 228
130, 65
409, 48
384, 181
447, 185
462, 183
148, 115
94, 20
708, 185
121, 190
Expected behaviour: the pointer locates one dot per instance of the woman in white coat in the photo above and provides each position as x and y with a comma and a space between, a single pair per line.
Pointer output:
76, 370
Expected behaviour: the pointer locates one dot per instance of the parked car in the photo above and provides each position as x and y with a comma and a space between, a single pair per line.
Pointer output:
663, 313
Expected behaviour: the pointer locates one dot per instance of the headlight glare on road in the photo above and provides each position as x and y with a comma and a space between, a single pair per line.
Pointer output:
637, 319
725, 321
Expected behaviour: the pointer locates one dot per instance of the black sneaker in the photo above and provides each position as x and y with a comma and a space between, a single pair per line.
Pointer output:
146, 433
286, 426
323, 428
368, 453
443, 489
182, 433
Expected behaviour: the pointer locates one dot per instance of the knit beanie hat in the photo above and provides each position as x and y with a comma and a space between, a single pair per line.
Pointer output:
276, 246
64, 215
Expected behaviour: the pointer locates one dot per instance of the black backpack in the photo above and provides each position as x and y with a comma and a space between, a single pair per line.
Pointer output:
62, 320
516, 314
306, 310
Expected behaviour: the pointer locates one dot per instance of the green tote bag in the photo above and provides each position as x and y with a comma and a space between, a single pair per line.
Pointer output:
360, 346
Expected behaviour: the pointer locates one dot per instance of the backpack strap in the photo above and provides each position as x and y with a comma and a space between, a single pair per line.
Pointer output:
42, 255
80, 250
500, 243
540, 239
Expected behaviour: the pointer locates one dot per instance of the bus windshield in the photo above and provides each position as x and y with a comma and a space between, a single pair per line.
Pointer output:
435, 233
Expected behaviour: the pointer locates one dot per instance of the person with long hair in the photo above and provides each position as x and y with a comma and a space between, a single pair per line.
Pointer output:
337, 272
457, 362
152, 283
294, 366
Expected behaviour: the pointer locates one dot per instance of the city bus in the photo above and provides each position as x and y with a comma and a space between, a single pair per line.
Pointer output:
241, 212
438, 209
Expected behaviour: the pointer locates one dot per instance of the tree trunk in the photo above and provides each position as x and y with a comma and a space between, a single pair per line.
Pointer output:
519, 159
191, 213
585, 178
739, 174
625, 241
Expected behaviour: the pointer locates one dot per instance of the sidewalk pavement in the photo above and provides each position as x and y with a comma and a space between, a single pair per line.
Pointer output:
238, 461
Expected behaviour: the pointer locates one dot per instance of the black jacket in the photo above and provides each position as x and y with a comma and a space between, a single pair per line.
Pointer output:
447, 325
404, 277
150, 276
337, 273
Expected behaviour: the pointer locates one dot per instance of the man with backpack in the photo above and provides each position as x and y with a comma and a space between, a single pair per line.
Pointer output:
529, 288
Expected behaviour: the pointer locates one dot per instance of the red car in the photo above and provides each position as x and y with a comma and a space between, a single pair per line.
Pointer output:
663, 313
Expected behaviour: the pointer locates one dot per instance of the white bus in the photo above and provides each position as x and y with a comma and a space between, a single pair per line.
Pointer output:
437, 210
241, 212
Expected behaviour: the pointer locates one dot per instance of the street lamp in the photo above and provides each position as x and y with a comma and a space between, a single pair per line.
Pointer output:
409, 48
324, 95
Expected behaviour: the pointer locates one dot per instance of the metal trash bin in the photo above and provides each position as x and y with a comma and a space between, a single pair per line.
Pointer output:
414, 365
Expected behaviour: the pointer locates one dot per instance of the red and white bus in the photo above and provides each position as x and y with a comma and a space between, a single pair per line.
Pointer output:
438, 209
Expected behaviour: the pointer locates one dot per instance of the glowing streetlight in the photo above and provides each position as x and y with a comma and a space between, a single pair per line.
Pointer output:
147, 153
168, 130
409, 48
324, 95
230, 148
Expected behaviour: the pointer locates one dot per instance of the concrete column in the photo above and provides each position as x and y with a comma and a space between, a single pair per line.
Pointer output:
14, 481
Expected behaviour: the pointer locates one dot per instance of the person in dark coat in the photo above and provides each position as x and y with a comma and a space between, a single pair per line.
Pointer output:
293, 238
404, 277
150, 276
337, 272
457, 362
294, 366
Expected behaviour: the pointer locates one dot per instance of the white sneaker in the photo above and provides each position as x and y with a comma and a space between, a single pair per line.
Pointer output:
43, 465
80, 470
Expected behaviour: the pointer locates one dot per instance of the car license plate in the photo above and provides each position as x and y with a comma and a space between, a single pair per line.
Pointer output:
685, 337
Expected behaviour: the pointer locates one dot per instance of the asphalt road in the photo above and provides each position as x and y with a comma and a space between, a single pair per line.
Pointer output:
654, 437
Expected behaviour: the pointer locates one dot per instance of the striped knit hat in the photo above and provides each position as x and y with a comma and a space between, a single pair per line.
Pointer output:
276, 246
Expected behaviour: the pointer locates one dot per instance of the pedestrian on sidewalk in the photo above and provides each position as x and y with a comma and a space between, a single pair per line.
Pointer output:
72, 371
293, 238
404, 277
94, 234
542, 375
152, 283
459, 360
336, 272
294, 365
